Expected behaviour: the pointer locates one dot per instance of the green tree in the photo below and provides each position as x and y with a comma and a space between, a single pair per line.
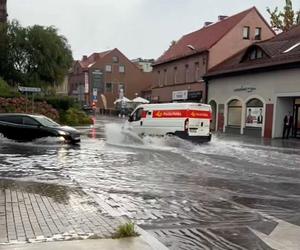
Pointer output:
35, 55
287, 18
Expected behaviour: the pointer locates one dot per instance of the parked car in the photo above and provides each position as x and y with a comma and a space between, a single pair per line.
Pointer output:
25, 127
190, 121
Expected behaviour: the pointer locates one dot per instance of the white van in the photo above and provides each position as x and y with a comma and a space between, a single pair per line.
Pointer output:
189, 121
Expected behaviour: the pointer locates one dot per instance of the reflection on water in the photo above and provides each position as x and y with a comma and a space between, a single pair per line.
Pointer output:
166, 183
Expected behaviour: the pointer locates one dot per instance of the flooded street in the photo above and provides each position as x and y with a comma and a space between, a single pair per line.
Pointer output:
226, 194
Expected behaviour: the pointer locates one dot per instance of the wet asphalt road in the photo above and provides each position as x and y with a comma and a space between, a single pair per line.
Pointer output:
227, 194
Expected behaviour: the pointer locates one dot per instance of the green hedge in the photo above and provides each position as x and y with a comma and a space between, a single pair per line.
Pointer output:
6, 90
61, 103
75, 117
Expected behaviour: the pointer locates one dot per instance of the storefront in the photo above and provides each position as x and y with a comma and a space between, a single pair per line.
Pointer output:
296, 127
254, 96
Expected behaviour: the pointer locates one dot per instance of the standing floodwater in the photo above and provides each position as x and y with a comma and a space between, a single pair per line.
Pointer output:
222, 195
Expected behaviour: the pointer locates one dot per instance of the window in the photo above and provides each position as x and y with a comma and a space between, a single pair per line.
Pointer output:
246, 32
30, 122
108, 87
115, 59
12, 119
175, 74
254, 53
197, 71
186, 72
254, 113
234, 113
122, 69
137, 115
258, 33
108, 68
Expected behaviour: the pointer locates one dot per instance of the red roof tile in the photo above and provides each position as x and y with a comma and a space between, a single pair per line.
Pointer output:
202, 39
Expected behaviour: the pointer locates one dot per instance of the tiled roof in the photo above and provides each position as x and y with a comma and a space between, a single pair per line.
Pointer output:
93, 59
202, 39
280, 50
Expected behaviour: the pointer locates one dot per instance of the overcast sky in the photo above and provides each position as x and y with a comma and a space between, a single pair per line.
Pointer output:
139, 28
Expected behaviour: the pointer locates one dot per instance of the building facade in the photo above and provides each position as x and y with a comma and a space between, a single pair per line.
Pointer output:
252, 92
179, 71
144, 64
3, 11
100, 77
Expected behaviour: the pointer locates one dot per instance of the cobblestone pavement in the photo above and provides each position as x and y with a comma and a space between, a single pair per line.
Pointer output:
31, 212
229, 194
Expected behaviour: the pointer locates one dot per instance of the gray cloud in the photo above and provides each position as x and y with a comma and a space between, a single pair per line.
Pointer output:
139, 28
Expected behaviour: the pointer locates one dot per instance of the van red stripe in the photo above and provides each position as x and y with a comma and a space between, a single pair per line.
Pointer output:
197, 114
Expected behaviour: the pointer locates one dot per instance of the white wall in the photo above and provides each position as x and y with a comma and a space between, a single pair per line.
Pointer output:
268, 87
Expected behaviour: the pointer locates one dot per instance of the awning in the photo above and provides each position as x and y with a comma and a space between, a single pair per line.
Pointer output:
123, 99
140, 100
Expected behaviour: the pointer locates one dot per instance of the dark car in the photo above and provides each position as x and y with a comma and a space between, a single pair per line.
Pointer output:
24, 127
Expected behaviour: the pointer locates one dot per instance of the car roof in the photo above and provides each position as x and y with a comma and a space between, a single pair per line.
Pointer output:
175, 105
20, 114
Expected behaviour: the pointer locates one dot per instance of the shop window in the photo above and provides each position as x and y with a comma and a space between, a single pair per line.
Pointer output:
254, 113
234, 113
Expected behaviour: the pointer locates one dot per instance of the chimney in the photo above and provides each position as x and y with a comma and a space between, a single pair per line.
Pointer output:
84, 58
207, 24
222, 17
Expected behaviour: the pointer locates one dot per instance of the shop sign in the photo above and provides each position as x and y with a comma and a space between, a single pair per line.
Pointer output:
86, 83
195, 95
245, 88
29, 89
180, 95
254, 117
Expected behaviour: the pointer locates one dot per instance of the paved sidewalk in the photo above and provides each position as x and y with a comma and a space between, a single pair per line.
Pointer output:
39, 213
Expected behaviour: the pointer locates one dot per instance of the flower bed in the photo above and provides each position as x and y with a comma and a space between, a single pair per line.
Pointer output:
18, 105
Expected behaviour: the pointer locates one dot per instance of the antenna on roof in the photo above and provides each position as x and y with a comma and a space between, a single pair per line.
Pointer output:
191, 47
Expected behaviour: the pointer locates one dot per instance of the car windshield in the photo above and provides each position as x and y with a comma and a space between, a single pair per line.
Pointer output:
47, 122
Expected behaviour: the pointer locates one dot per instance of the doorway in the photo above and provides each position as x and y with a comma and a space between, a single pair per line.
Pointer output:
297, 119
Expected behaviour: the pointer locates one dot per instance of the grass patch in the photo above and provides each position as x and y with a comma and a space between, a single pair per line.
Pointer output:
126, 230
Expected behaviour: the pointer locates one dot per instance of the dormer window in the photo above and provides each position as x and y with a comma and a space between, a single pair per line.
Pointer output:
253, 54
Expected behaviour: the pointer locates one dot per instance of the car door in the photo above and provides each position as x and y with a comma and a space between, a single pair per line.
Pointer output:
32, 128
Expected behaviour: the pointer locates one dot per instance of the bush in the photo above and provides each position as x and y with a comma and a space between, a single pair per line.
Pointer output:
61, 103
18, 105
75, 117
126, 230
6, 90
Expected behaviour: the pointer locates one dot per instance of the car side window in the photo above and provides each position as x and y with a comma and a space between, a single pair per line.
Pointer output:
12, 119
29, 121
